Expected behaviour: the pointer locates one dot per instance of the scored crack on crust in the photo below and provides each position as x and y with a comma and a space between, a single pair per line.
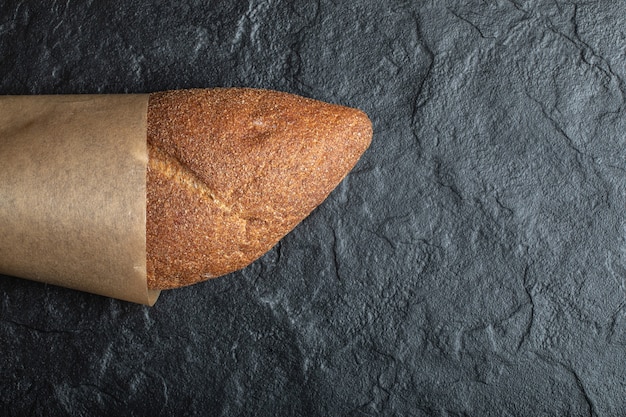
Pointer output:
171, 169
231, 171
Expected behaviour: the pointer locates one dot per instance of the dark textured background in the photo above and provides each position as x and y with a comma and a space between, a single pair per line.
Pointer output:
472, 264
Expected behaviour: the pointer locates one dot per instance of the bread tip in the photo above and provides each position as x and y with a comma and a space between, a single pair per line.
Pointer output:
231, 171
363, 128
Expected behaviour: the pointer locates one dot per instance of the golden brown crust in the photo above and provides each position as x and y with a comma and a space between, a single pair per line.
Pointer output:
231, 171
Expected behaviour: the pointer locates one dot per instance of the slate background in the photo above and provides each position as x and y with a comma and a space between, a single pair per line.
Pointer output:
473, 263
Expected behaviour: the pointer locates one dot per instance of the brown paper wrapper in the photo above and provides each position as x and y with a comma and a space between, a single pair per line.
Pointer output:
73, 192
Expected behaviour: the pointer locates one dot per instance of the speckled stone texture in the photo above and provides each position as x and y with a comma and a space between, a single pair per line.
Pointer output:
473, 263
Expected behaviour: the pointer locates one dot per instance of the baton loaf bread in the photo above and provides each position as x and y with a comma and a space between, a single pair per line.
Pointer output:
232, 170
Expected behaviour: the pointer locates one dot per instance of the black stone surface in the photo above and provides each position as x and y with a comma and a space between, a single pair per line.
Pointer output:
472, 264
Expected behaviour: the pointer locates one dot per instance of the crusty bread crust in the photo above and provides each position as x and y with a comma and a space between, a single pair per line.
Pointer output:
231, 171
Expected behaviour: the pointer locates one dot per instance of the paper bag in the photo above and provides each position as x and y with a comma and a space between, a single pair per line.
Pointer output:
73, 192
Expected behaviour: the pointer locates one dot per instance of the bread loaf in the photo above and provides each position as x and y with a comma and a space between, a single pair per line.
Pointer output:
231, 171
